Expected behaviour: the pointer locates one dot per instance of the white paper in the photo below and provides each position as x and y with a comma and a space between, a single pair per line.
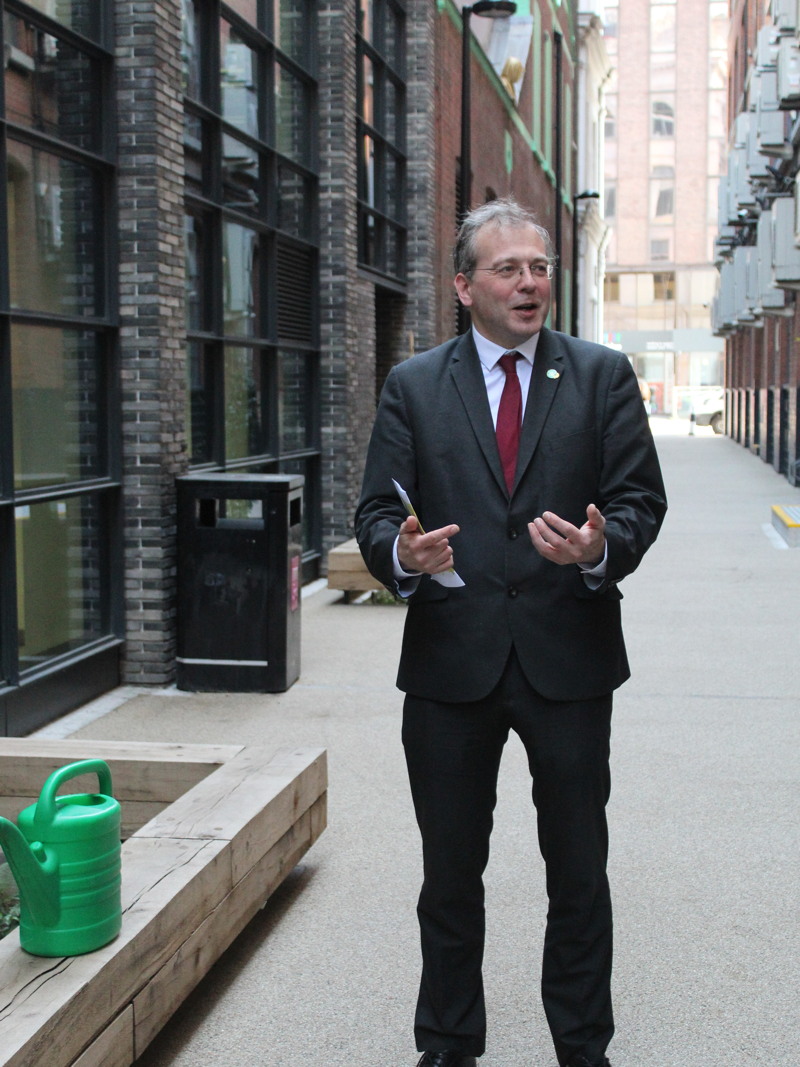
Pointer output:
447, 578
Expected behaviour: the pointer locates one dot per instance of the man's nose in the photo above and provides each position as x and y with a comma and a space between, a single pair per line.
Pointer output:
526, 278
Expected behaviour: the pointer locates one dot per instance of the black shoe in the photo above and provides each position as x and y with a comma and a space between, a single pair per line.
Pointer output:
581, 1061
448, 1058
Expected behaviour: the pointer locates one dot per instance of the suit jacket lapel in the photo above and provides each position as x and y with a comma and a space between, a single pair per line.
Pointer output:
467, 374
548, 368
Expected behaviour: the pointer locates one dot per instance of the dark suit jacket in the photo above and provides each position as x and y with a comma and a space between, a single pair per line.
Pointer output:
585, 439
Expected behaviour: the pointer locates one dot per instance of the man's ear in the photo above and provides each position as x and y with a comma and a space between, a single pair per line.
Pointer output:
462, 284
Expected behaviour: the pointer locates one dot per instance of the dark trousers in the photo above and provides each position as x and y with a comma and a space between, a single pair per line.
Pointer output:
453, 755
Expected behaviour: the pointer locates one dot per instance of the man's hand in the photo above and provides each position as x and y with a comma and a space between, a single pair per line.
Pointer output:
561, 542
426, 553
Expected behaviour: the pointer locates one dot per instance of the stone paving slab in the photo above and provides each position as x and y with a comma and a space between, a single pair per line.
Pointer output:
704, 820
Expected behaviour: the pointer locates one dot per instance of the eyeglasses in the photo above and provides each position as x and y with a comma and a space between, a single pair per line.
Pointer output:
511, 271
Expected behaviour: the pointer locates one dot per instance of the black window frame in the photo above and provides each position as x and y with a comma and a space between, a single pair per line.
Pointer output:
382, 226
103, 486
288, 319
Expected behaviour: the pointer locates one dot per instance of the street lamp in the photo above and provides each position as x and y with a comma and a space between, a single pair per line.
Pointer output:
587, 194
487, 9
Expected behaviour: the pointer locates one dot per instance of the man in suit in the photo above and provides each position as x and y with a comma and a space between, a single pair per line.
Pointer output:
536, 484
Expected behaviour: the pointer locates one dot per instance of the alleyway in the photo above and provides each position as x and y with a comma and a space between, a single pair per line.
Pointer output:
704, 820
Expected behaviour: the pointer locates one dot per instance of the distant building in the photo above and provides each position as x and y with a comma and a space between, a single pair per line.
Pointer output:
758, 240
591, 230
665, 149
223, 223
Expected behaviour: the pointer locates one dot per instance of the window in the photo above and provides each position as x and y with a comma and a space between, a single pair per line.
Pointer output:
59, 452
659, 248
662, 27
662, 192
611, 289
664, 285
381, 137
251, 240
610, 206
663, 118
610, 20
610, 129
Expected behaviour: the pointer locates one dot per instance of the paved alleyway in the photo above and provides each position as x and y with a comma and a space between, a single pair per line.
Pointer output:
704, 820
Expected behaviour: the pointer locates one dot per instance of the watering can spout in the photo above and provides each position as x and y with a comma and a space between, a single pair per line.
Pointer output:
35, 872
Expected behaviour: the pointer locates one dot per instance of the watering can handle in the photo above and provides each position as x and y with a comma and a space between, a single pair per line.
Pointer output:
46, 806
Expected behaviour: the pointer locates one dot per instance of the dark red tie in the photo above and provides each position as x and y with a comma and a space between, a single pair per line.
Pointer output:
509, 418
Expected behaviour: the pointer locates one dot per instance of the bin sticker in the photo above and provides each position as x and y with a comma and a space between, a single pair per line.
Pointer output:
295, 584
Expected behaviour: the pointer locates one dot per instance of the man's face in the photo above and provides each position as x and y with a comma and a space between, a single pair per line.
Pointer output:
506, 310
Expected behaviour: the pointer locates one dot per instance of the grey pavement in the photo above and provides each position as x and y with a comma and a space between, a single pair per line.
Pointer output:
704, 819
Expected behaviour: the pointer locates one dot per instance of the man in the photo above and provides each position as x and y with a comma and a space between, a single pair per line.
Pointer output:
536, 481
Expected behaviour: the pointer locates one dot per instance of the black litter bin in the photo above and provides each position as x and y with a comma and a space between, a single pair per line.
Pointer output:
239, 575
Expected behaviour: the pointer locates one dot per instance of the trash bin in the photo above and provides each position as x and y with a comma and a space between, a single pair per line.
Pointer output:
239, 575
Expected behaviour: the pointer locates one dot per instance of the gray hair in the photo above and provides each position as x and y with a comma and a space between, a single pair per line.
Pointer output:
502, 212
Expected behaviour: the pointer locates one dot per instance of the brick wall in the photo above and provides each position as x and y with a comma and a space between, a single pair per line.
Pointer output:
150, 132
347, 366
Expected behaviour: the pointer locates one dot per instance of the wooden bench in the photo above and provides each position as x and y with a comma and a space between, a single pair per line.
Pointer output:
348, 572
233, 821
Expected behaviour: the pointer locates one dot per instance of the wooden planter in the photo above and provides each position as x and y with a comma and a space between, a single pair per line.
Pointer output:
211, 831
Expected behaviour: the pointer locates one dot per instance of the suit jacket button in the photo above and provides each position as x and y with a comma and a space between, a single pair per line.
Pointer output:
513, 534
512, 592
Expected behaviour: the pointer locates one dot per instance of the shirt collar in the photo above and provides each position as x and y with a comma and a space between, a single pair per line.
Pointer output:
489, 353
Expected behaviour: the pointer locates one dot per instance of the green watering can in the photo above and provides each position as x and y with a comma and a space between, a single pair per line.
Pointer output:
65, 858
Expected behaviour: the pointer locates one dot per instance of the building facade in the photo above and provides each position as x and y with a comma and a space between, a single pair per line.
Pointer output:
665, 149
758, 239
590, 230
223, 224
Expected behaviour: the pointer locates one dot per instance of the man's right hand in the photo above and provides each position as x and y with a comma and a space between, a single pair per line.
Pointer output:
425, 553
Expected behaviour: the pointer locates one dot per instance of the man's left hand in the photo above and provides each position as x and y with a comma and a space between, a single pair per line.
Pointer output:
561, 542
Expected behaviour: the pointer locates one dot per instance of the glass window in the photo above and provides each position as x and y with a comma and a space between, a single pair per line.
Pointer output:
52, 206
195, 159
718, 14
201, 415
611, 289
291, 113
295, 394
200, 428
382, 116
662, 192
662, 28
662, 72
195, 246
291, 29
240, 280
249, 10
54, 381
251, 261
190, 50
238, 81
240, 175
83, 16
366, 26
61, 577
663, 118
610, 20
367, 92
50, 86
245, 403
295, 201
664, 285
